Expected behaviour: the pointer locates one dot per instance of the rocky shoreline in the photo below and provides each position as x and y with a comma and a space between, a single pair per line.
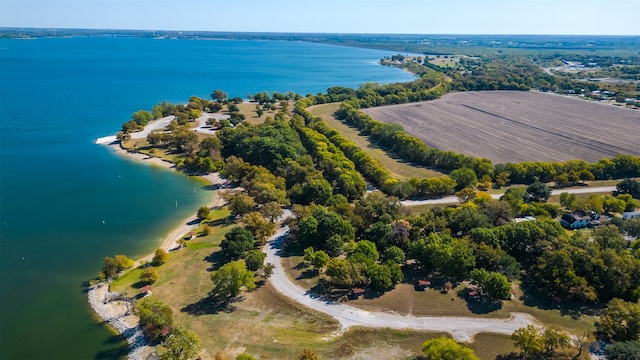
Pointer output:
117, 315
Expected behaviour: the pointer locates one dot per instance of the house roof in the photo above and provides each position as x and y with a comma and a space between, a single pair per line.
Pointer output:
579, 216
474, 293
145, 288
424, 282
358, 290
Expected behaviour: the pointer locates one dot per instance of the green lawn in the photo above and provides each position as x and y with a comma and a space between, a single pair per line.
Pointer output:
398, 168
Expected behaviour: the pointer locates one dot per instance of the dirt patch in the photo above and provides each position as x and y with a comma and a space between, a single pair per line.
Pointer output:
517, 126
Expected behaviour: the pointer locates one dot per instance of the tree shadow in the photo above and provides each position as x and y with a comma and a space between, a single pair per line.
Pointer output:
509, 356
113, 339
479, 304
216, 259
573, 310
307, 274
223, 221
119, 352
212, 305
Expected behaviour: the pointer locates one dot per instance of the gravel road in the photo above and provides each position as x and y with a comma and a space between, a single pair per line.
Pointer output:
461, 328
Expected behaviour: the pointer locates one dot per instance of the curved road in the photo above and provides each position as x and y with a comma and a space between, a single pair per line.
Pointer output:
461, 328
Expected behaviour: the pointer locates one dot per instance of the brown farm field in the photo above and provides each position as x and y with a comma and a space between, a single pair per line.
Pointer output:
516, 126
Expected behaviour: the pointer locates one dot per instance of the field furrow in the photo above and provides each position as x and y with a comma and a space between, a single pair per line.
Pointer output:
516, 126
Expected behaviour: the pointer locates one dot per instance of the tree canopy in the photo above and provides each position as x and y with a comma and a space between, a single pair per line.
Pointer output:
229, 280
443, 348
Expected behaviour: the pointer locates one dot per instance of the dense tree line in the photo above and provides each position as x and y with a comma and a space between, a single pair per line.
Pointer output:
335, 166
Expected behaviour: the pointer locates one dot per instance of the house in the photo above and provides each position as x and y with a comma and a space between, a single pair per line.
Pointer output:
357, 293
628, 215
575, 220
423, 285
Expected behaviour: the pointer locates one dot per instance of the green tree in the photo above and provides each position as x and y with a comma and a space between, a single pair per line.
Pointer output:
149, 275
568, 200
160, 257
538, 191
502, 179
552, 340
393, 254
624, 350
112, 266
443, 348
181, 344
529, 340
245, 356
465, 195
464, 178
494, 284
271, 210
308, 355
154, 316
259, 227
142, 117
255, 259
619, 322
229, 280
629, 186
320, 259
219, 95
239, 203
203, 212
236, 242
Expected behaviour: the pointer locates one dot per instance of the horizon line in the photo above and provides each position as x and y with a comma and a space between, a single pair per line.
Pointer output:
4, 28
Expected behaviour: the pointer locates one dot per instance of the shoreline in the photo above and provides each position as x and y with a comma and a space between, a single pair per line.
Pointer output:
116, 313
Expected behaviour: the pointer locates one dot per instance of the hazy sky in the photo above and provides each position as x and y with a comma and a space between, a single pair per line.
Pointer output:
603, 17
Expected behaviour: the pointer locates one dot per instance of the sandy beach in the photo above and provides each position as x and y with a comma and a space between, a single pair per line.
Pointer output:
115, 313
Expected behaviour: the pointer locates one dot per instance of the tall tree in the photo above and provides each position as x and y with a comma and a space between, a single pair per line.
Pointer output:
443, 348
619, 322
219, 95
229, 280
181, 344
236, 242
154, 316
538, 191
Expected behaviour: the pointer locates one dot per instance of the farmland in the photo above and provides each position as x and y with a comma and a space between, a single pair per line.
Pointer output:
515, 126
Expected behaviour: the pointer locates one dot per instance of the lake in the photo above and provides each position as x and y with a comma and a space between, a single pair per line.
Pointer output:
66, 203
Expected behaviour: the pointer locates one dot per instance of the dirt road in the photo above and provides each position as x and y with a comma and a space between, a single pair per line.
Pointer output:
454, 199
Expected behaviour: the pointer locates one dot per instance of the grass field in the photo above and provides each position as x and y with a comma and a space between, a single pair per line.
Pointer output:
516, 126
262, 323
399, 169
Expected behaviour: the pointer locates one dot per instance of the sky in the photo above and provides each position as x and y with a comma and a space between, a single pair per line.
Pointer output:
561, 17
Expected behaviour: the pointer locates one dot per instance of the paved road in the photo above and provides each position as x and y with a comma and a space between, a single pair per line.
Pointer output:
461, 328
454, 199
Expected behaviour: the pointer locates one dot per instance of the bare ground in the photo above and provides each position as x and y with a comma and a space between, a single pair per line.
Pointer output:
516, 126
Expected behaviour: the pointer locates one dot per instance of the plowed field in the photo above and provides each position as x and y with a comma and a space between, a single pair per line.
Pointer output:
516, 126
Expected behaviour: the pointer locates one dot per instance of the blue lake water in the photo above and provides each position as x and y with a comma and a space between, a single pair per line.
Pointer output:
57, 187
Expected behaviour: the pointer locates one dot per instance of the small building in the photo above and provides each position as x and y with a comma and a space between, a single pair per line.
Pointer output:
575, 220
145, 291
423, 285
628, 215
525, 218
357, 293
475, 295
